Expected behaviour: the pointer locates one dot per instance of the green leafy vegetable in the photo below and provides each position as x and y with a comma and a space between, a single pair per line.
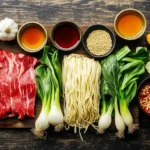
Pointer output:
140, 54
49, 82
110, 85
131, 67
120, 73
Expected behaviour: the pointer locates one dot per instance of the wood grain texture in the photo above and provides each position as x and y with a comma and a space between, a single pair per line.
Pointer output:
79, 11
82, 12
22, 139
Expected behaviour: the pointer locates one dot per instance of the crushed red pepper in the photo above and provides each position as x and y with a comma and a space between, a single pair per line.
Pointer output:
144, 97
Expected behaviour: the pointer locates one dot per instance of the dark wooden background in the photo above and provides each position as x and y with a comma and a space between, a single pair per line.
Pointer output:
82, 12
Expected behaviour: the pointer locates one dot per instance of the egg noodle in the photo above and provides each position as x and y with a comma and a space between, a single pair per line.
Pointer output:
81, 91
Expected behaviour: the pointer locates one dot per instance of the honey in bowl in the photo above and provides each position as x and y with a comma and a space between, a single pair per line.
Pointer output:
130, 25
32, 37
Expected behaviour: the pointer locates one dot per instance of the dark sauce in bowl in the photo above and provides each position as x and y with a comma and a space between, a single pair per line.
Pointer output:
66, 36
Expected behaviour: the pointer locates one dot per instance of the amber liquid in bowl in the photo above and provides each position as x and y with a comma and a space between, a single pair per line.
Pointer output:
32, 37
130, 25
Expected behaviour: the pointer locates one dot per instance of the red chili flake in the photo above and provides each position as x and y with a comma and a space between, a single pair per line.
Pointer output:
144, 97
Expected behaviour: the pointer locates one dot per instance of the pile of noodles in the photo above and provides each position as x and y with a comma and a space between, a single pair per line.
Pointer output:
81, 90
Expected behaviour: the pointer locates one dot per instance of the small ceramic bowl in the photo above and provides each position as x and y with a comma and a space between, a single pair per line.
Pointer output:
143, 82
63, 28
98, 27
29, 25
130, 11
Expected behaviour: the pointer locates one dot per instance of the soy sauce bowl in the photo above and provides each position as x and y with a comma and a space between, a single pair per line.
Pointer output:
66, 36
143, 82
98, 27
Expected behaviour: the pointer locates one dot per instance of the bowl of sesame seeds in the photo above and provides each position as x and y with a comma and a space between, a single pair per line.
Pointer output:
99, 41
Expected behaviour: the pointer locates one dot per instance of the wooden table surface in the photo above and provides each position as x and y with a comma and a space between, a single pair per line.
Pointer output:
83, 13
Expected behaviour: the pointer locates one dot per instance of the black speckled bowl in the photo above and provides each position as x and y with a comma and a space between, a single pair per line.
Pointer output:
98, 27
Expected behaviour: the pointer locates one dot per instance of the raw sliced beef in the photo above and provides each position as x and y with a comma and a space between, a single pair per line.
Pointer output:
17, 85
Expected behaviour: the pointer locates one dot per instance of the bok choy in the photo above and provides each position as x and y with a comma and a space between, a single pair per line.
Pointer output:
49, 83
50, 58
109, 93
132, 66
120, 73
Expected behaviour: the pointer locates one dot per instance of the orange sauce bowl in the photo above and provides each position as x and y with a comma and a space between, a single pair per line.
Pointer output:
32, 37
130, 24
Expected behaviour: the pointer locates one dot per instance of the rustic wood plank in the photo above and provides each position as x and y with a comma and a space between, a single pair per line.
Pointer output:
29, 122
22, 139
81, 12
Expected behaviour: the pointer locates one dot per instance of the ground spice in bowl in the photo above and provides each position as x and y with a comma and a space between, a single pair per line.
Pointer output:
99, 42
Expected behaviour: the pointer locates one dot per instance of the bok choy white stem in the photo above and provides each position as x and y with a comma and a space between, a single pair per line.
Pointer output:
105, 118
120, 125
43, 88
127, 117
55, 116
